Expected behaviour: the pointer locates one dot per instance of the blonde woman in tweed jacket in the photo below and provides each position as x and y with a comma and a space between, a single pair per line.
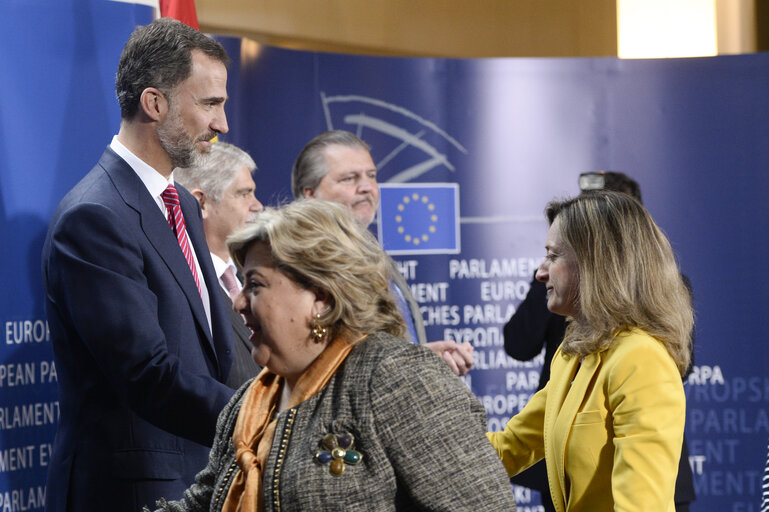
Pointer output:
346, 414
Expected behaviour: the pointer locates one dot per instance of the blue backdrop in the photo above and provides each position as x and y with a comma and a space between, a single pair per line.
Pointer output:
57, 111
503, 136
513, 134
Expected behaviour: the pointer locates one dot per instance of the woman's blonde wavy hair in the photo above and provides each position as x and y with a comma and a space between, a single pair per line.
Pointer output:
319, 245
628, 275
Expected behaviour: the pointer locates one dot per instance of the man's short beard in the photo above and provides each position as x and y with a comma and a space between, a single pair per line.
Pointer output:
177, 143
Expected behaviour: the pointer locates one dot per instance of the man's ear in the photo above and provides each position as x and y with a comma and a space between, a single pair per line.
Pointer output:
205, 203
153, 104
308, 192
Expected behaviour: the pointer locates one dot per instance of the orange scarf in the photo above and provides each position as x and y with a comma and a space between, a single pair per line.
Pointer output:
255, 426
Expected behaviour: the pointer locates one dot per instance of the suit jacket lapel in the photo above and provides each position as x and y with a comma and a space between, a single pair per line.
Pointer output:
566, 392
158, 232
197, 238
413, 305
242, 333
243, 366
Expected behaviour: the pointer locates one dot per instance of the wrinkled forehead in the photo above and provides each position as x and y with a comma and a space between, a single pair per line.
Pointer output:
340, 159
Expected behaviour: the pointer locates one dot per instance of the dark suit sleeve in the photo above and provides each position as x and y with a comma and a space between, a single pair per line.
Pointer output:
96, 271
198, 497
525, 332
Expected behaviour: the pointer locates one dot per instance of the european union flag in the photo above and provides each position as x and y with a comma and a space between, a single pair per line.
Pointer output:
419, 218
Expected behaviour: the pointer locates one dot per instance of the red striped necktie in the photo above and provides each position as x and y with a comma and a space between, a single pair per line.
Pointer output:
176, 220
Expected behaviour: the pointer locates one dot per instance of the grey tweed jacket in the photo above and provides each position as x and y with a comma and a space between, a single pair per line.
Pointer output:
418, 429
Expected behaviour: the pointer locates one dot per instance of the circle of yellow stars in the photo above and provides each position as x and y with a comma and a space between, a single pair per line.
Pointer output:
415, 198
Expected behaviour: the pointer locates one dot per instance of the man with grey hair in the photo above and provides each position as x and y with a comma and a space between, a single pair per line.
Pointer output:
337, 166
222, 184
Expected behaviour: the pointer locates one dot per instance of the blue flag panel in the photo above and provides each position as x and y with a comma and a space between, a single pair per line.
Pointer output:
419, 218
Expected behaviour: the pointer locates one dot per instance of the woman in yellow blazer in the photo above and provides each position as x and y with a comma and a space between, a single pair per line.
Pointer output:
610, 421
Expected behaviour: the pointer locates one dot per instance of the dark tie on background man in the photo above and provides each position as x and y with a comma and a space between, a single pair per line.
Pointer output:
176, 220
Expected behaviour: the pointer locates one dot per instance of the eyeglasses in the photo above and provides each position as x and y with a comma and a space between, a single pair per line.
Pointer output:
594, 180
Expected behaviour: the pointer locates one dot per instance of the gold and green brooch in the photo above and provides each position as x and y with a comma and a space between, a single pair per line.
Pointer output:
339, 451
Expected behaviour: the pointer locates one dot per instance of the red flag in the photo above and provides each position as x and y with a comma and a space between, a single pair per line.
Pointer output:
182, 10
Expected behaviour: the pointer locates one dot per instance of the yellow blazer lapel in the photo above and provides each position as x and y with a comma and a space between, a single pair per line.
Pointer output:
566, 394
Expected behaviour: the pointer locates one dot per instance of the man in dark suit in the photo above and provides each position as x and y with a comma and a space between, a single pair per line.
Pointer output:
141, 341
337, 166
223, 186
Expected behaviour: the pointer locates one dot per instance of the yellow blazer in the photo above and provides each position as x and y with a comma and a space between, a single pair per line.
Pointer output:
610, 428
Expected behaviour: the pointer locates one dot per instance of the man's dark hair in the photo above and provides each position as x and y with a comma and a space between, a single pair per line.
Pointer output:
621, 182
159, 55
610, 180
